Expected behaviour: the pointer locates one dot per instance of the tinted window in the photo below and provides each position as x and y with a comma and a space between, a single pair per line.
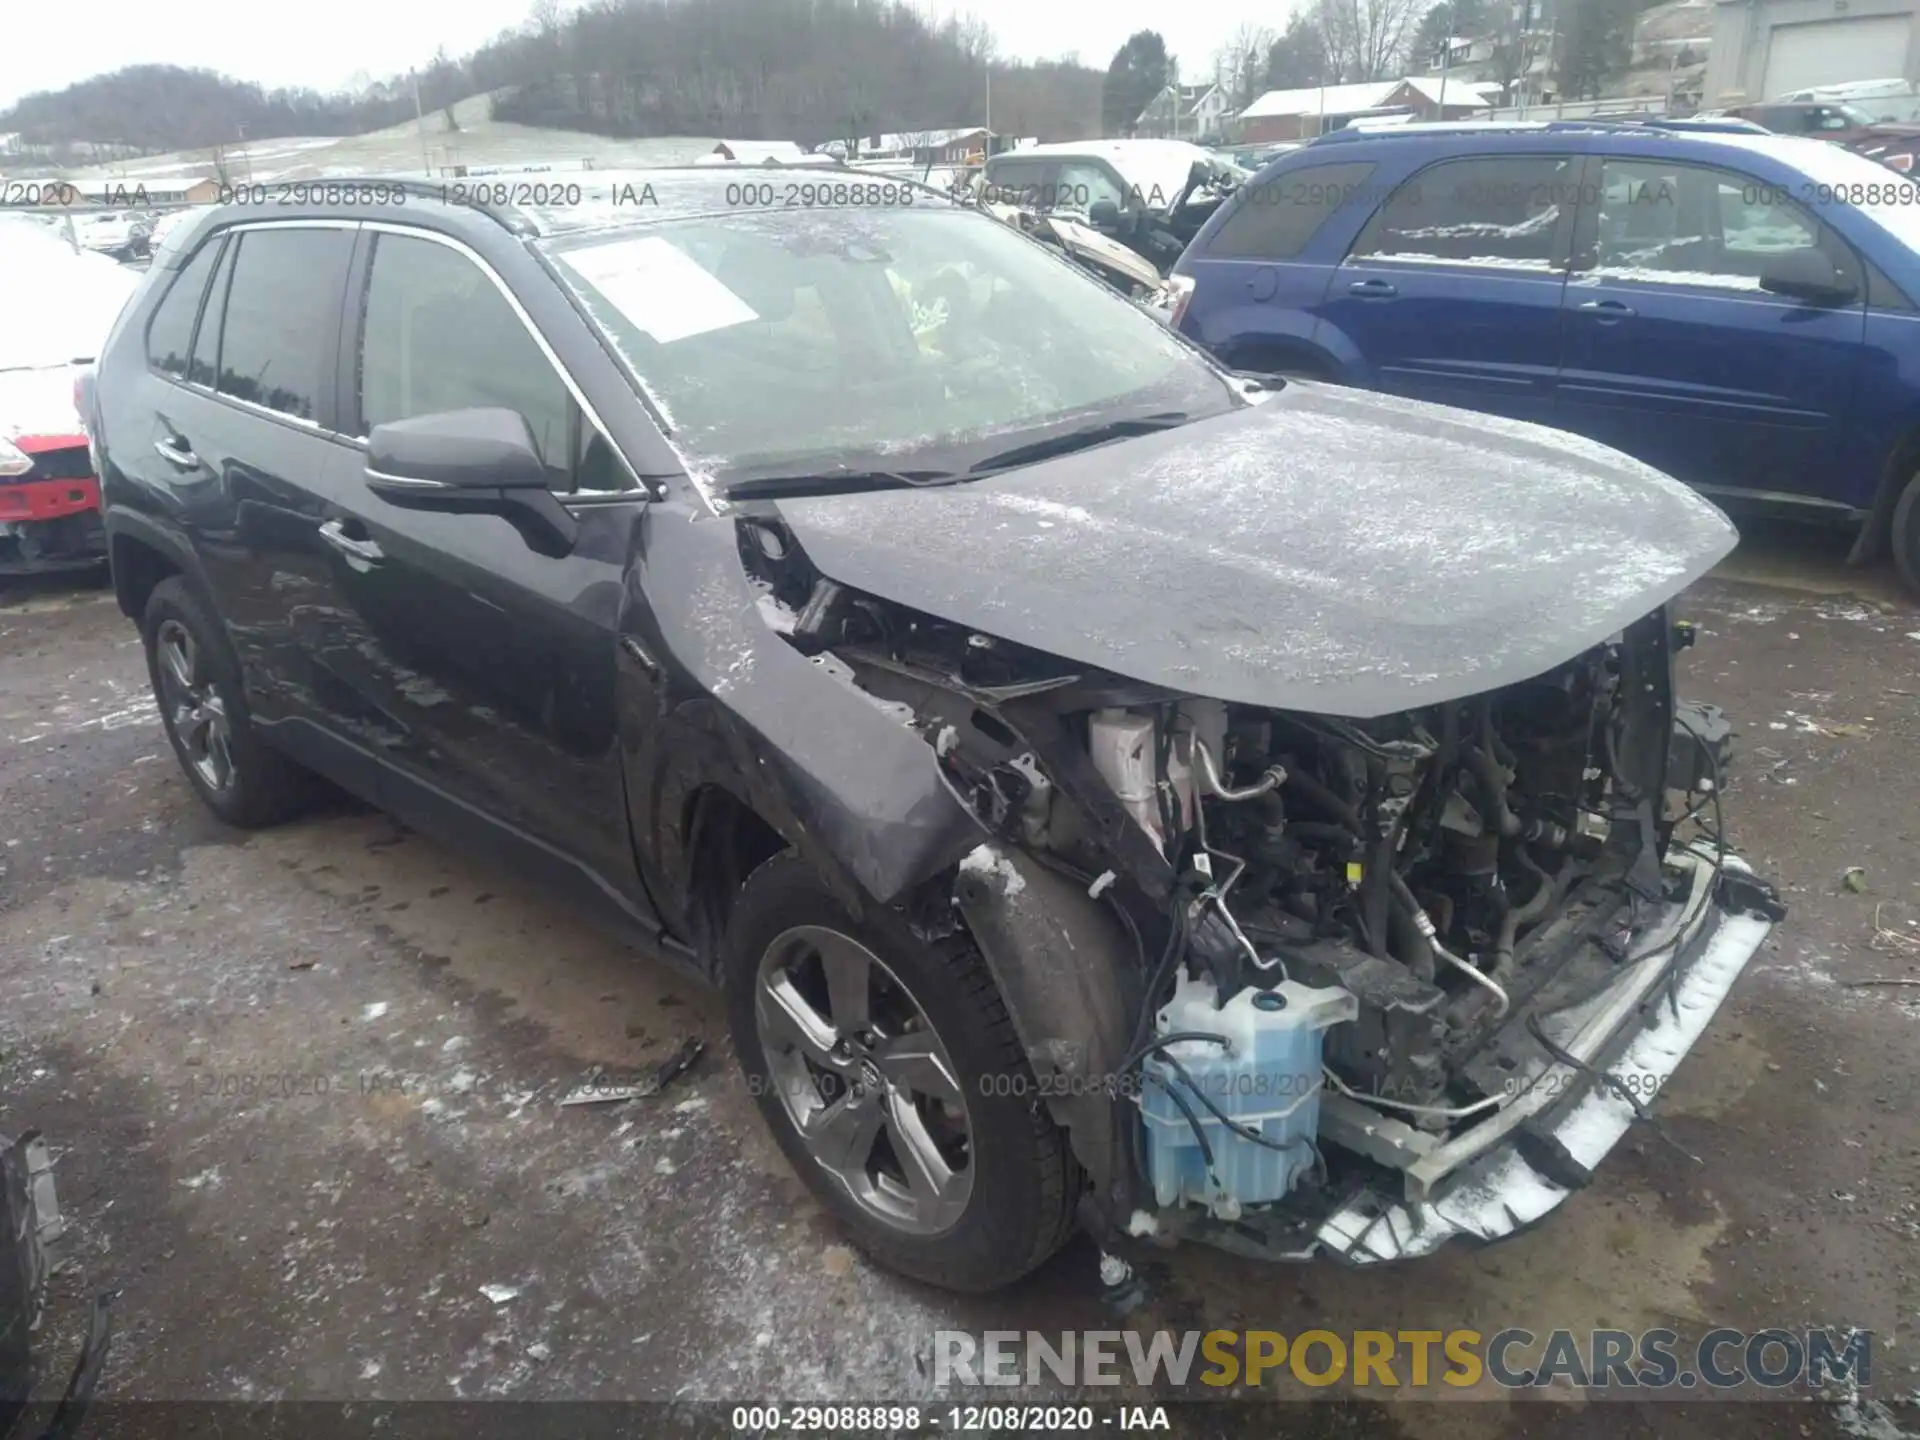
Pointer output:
1882, 293
1017, 182
1692, 226
206, 345
440, 336
1082, 184
283, 304
1501, 211
1274, 219
170, 332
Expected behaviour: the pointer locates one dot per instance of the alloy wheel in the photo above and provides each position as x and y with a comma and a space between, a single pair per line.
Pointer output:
865, 1079
193, 708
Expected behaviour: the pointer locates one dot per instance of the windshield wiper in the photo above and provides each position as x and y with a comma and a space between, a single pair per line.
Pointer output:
827, 482
1085, 438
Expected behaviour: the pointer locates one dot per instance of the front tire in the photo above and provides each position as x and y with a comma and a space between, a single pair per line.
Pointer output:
888, 1069
196, 683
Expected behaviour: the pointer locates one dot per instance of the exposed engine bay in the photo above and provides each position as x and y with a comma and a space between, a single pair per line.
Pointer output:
1350, 942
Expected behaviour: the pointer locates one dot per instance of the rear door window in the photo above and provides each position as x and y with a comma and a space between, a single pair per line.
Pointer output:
278, 342
1275, 219
1505, 211
1690, 225
170, 332
438, 335
206, 344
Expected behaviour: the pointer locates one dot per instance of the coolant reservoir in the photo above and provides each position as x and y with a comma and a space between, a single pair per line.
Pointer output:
1267, 1077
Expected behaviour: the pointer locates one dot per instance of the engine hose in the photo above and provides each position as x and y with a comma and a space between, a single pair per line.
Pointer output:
1493, 787
1426, 928
1547, 894
1210, 772
1412, 943
1328, 802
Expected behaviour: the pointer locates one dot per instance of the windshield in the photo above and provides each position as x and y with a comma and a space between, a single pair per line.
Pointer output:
882, 338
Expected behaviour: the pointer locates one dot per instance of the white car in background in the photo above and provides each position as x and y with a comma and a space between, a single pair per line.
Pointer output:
168, 222
119, 233
56, 309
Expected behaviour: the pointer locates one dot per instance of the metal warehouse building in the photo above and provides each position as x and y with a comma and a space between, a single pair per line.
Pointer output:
1764, 48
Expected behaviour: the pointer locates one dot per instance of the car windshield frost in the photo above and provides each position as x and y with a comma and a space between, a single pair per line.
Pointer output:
864, 339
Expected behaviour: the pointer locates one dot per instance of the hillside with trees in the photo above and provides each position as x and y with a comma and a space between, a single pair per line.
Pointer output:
809, 70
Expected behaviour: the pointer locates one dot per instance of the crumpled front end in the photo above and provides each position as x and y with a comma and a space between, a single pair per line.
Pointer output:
1298, 983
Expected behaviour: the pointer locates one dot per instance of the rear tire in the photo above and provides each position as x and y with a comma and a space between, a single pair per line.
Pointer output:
1906, 535
196, 684
1010, 1204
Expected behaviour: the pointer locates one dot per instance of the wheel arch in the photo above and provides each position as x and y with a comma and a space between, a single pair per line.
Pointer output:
723, 840
1902, 465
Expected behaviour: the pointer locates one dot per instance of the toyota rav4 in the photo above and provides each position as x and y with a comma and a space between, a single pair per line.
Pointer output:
1111, 791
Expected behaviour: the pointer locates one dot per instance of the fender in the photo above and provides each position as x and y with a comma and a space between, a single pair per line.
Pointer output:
711, 695
165, 540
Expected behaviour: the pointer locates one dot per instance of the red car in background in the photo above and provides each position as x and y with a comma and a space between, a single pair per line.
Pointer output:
1894, 143
56, 308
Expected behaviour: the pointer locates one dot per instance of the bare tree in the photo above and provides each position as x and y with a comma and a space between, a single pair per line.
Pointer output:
1240, 65
1367, 39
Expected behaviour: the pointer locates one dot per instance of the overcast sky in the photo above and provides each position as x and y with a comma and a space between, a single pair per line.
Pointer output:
376, 38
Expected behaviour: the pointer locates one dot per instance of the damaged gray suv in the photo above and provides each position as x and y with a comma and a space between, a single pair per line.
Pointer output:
1113, 792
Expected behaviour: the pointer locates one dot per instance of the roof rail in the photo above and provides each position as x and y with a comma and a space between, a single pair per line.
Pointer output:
1589, 125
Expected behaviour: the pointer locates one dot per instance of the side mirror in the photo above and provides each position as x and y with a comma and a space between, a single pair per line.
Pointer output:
470, 462
1806, 274
1103, 215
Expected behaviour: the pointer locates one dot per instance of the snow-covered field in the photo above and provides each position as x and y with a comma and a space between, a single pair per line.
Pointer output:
478, 141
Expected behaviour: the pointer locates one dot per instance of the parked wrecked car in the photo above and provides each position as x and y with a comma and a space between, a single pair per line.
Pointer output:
1123, 209
1111, 792
56, 307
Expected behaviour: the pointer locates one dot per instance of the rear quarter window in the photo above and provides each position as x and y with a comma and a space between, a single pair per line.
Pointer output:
1274, 219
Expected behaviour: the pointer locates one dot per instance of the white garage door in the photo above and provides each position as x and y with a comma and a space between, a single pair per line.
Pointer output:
1831, 52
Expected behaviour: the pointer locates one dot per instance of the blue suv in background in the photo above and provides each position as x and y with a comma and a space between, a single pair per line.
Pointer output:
1737, 310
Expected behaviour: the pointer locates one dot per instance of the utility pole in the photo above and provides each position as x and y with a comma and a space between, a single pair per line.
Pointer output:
420, 119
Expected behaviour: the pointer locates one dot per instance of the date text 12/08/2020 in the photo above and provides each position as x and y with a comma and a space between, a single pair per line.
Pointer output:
960, 1419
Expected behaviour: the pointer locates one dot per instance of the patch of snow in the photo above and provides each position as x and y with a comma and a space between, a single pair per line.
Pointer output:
780, 618
984, 860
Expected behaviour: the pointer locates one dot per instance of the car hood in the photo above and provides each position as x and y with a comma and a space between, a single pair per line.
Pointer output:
1328, 550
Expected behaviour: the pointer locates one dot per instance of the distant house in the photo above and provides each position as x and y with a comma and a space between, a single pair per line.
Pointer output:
138, 192
1183, 112
755, 152
924, 147
1301, 114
